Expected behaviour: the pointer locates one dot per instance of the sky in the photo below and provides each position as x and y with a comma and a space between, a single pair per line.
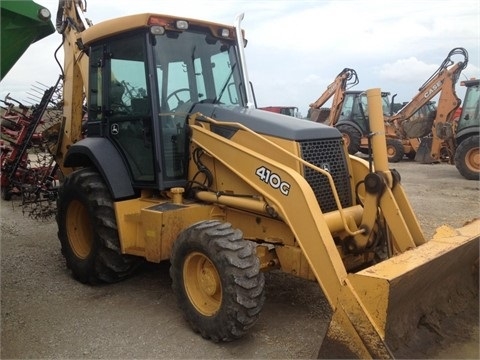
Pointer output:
296, 48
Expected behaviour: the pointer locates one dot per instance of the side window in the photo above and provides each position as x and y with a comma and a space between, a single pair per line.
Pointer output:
129, 106
362, 107
127, 86
223, 72
346, 108
471, 103
386, 105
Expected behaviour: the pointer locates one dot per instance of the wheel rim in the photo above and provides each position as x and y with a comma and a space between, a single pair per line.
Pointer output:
391, 151
202, 283
79, 231
472, 159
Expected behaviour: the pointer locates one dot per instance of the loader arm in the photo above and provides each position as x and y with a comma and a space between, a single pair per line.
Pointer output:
443, 81
299, 210
364, 329
344, 80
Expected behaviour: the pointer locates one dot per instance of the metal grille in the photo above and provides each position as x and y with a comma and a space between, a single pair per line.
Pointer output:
328, 155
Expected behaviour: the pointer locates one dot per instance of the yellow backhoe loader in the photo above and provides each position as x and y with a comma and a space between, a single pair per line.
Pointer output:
177, 164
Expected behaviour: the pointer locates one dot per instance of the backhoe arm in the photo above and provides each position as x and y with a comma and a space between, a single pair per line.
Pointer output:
70, 24
442, 81
346, 78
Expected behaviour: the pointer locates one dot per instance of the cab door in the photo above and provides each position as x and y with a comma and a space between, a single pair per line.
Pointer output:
120, 101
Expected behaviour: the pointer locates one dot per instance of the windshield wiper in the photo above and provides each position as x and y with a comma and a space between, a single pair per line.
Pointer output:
217, 99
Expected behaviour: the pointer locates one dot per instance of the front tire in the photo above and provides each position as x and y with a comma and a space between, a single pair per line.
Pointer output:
217, 280
87, 230
352, 138
395, 151
467, 158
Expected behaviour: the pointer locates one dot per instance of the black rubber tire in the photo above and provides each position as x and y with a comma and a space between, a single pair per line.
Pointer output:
395, 151
411, 155
352, 137
225, 311
467, 156
87, 230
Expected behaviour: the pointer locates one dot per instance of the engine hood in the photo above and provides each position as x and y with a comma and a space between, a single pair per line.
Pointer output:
268, 123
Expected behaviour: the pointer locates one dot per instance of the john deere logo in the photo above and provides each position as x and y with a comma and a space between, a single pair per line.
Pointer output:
325, 166
114, 129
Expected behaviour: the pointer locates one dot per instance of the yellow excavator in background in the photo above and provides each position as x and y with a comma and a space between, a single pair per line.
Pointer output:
177, 164
346, 79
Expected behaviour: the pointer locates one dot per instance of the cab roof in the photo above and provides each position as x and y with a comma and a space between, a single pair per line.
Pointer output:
119, 25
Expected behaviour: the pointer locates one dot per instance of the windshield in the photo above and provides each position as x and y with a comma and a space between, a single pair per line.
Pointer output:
203, 69
352, 108
385, 105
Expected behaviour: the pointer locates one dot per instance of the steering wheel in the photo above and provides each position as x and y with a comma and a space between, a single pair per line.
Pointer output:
179, 101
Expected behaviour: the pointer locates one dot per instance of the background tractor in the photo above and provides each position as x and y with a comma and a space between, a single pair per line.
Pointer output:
467, 131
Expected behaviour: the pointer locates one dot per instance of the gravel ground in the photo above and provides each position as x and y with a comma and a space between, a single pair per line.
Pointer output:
46, 314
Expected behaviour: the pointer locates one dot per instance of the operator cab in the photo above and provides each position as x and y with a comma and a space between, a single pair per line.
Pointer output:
142, 84
470, 115
355, 110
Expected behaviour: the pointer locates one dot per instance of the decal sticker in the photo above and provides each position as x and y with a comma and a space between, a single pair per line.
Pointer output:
273, 180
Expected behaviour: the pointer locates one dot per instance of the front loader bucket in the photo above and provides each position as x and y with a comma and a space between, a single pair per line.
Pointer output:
405, 306
423, 152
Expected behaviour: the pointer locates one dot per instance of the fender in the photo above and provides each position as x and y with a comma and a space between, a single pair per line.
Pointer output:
101, 153
352, 124
466, 132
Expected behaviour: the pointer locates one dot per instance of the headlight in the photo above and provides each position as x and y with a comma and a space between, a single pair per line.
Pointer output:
44, 14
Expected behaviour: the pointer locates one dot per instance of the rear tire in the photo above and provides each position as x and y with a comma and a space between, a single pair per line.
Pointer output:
395, 151
467, 158
351, 136
87, 230
217, 280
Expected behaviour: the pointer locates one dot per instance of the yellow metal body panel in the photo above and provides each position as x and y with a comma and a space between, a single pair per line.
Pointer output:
258, 227
292, 261
308, 227
148, 228
251, 142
